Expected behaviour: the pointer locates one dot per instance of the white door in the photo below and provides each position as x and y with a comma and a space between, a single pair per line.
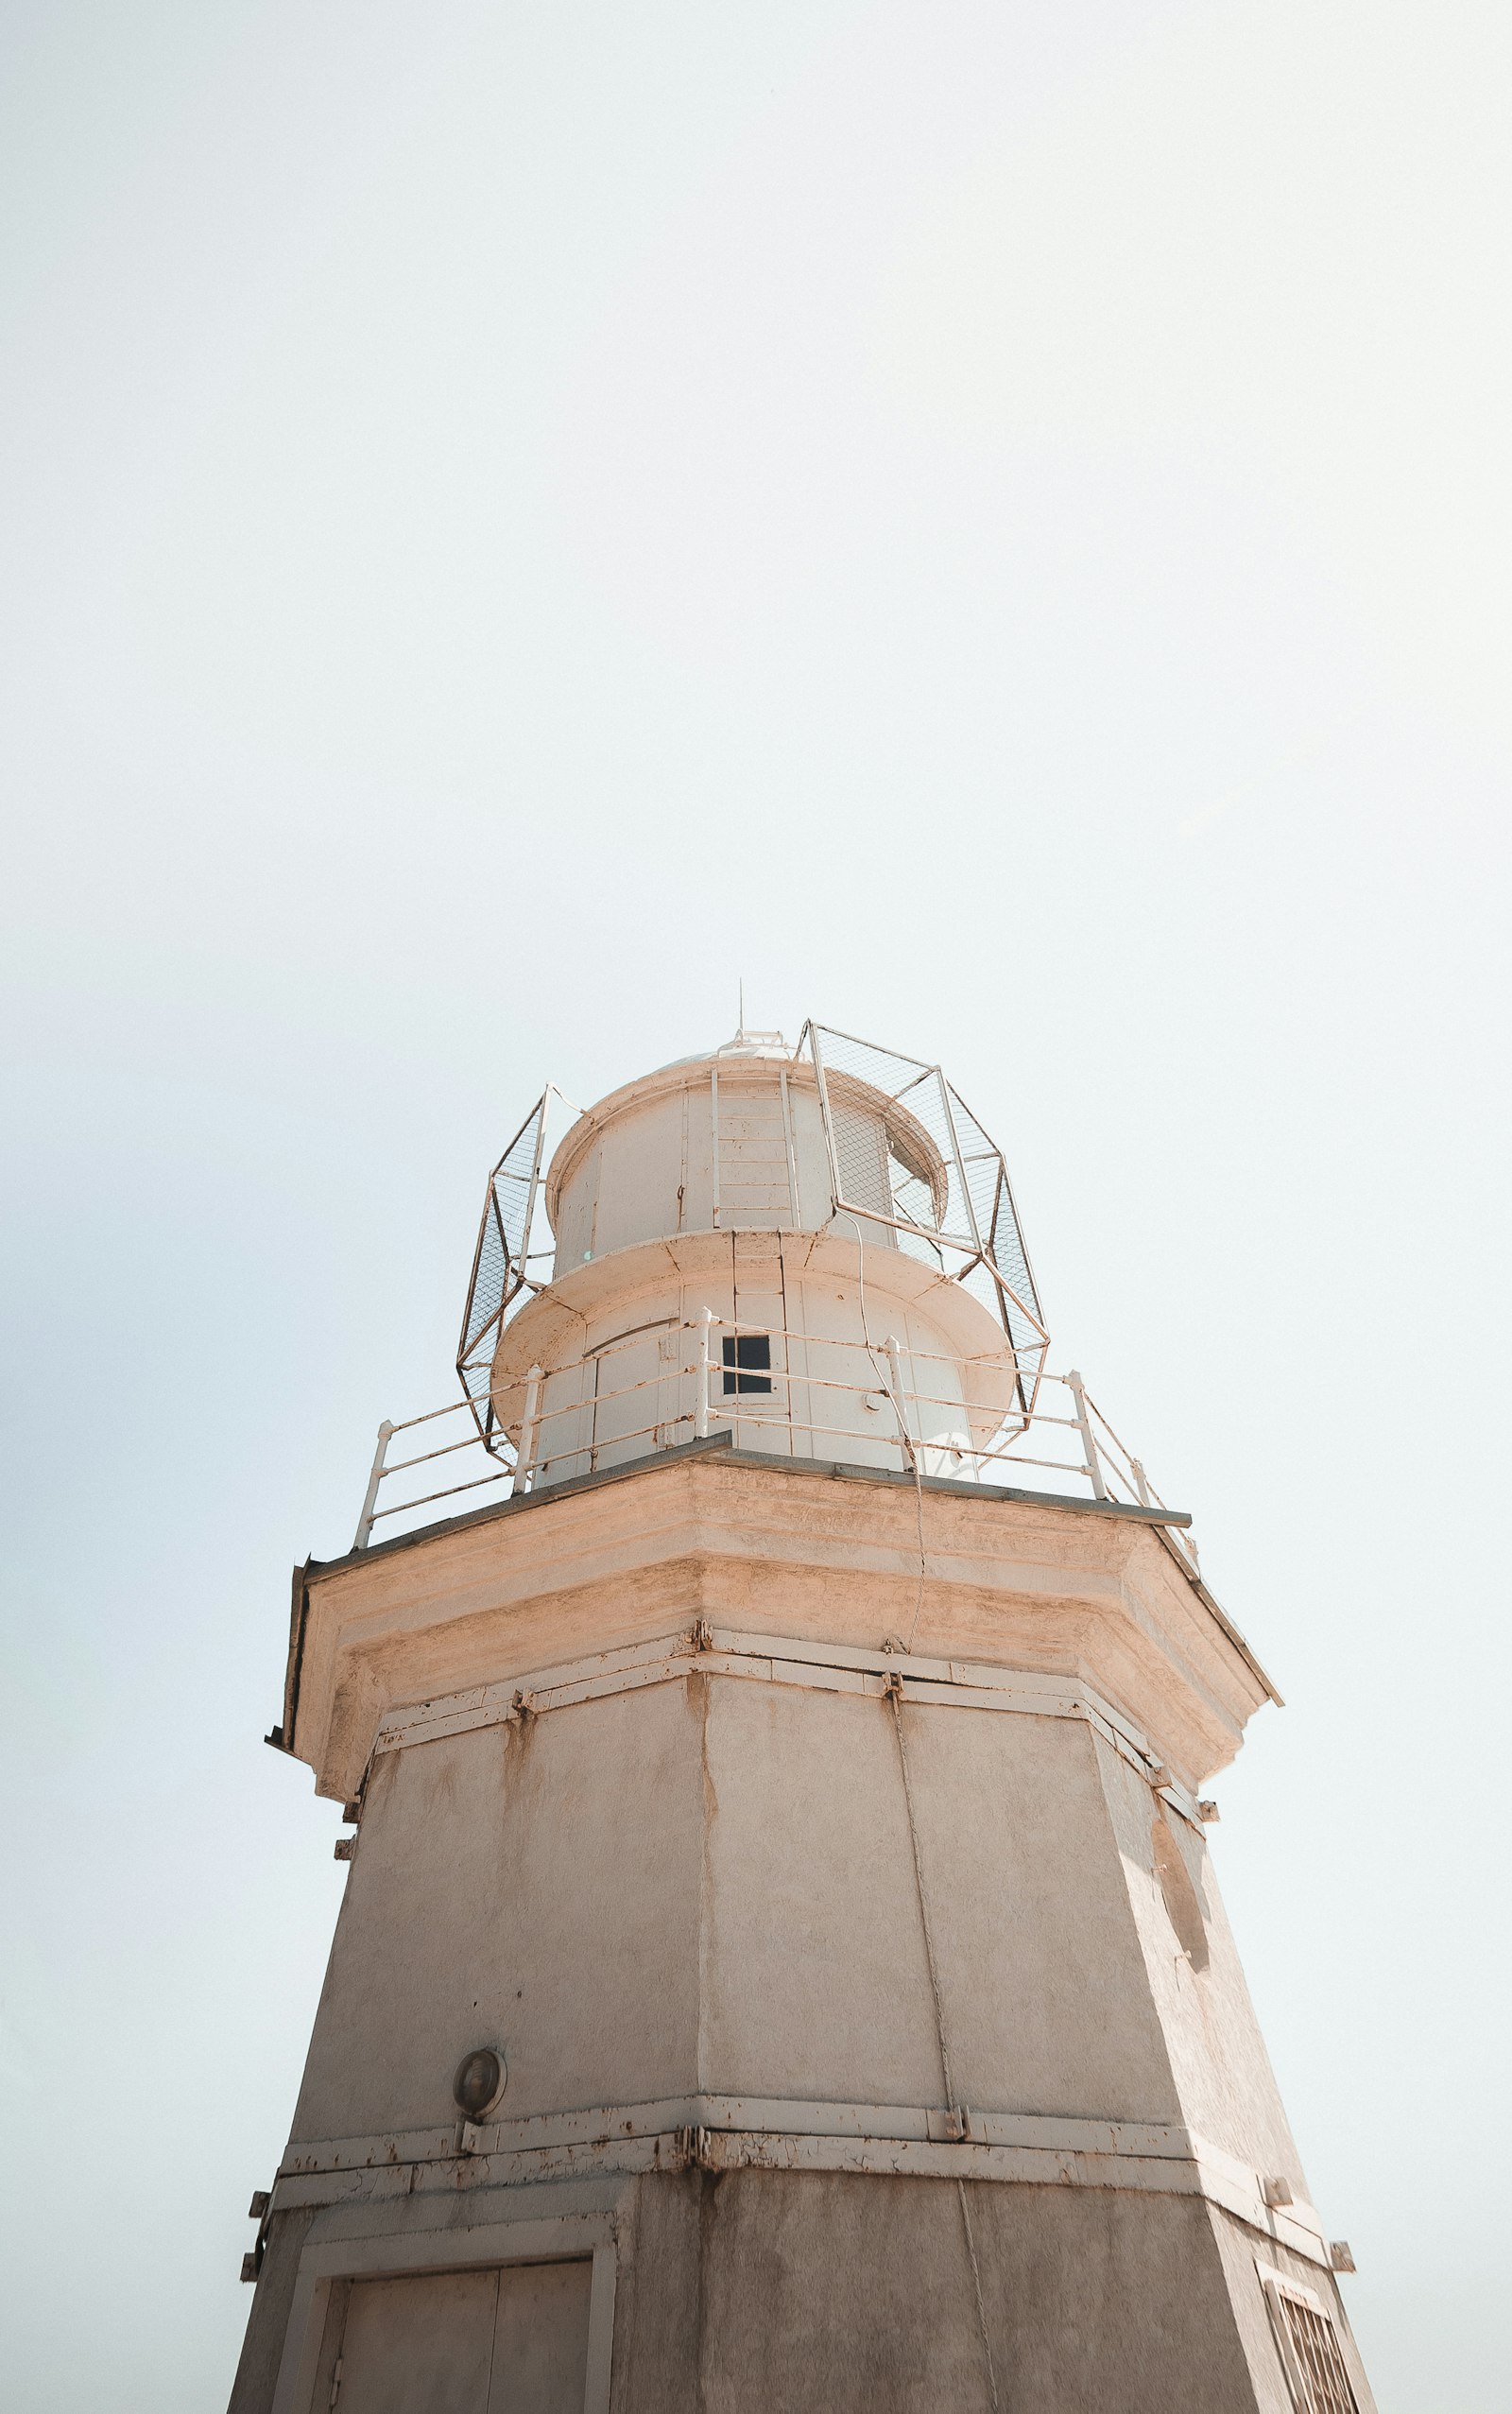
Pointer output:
511, 2341
541, 2339
422, 2346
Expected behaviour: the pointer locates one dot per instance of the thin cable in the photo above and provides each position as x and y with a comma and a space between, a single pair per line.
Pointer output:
885, 1382
919, 1513
894, 1695
894, 1690
981, 2310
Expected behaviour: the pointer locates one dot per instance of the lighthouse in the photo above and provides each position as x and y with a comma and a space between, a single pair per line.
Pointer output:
781, 1963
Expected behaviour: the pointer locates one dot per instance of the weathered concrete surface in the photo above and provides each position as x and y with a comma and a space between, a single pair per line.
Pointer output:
538, 1886
709, 1887
1212, 2041
267, 2322
1240, 2258
817, 1982
848, 2294
856, 2295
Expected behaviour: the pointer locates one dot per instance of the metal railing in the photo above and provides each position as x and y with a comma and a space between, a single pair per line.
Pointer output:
882, 1403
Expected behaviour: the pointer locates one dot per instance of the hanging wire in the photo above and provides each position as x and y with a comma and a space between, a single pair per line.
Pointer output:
895, 1689
886, 1385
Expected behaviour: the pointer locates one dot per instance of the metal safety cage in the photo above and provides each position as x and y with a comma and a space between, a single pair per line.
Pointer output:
940, 1183
502, 1259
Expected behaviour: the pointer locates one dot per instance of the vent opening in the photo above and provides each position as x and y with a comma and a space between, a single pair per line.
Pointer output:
1317, 2373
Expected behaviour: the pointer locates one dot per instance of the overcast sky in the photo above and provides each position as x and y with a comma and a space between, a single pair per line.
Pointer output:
992, 521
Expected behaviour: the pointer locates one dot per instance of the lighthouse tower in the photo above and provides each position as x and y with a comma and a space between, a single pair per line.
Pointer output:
780, 1964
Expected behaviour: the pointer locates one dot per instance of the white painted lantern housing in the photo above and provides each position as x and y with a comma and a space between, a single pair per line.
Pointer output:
760, 1240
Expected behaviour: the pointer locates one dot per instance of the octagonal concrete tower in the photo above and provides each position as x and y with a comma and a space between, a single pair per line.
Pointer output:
780, 1965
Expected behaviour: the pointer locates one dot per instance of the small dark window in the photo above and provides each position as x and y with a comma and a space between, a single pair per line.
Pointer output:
747, 1362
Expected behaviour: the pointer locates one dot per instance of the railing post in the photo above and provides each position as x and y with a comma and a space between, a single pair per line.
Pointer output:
1136, 1468
896, 1369
700, 1405
371, 1497
1089, 1447
528, 1431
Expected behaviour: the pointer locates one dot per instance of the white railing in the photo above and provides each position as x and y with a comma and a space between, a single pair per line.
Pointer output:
881, 1403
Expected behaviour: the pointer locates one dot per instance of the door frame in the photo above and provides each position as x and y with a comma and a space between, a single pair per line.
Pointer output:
411, 2255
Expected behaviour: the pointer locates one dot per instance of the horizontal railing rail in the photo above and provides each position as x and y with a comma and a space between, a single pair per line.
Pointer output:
940, 1424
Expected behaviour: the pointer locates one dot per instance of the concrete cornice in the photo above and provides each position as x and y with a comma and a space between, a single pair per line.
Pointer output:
732, 2134
720, 1444
1084, 1589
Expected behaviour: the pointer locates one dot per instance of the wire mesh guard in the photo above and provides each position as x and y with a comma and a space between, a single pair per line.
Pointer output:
906, 1156
932, 1174
922, 1168
502, 1260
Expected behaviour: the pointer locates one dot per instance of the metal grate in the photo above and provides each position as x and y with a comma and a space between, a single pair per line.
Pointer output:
925, 1170
501, 1259
1316, 2369
934, 1177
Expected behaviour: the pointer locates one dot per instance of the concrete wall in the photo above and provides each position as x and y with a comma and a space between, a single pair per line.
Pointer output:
842, 2294
856, 2296
536, 1889
1221, 2072
818, 1981
1071, 1590
709, 1887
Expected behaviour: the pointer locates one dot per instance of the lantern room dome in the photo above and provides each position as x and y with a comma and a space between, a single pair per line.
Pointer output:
735, 1140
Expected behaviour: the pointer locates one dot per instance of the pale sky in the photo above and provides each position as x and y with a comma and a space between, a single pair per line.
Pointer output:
992, 523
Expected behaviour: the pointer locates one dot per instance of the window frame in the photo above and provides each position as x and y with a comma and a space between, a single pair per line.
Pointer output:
746, 1377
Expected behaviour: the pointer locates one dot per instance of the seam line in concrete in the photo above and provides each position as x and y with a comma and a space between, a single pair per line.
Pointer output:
715, 1651
732, 2133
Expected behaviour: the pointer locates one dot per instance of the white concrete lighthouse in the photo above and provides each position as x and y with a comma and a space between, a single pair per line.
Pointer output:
780, 1964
